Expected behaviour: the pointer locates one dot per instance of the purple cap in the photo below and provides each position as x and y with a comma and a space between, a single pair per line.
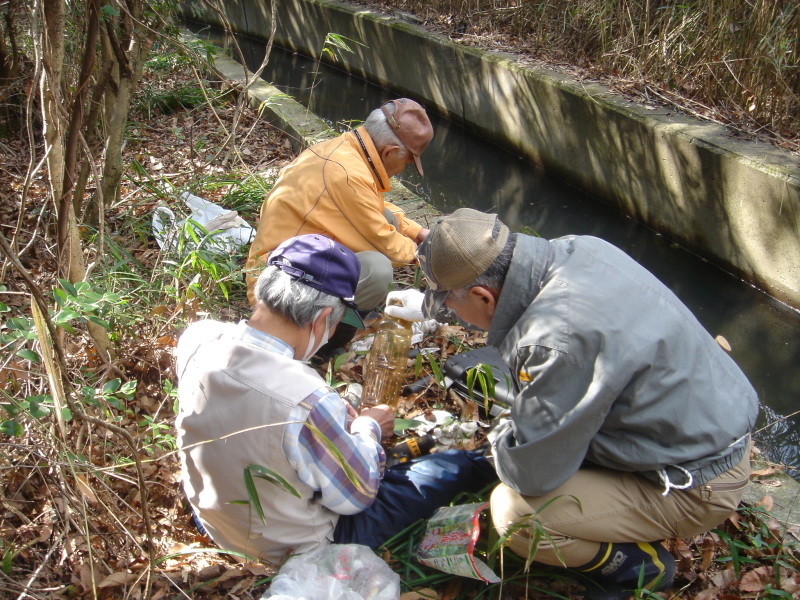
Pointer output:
322, 264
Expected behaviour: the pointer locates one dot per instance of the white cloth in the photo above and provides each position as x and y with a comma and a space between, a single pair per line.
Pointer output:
405, 304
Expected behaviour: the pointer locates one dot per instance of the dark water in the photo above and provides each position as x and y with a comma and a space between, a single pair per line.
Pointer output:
462, 169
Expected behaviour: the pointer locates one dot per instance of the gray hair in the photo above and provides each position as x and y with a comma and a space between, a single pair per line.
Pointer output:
493, 277
296, 301
381, 132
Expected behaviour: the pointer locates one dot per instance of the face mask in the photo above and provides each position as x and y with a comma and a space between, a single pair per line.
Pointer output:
312, 339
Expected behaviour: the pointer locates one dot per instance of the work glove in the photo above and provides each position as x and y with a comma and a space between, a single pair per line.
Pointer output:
405, 304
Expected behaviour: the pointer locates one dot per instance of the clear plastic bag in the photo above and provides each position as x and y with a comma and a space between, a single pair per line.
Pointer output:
226, 231
335, 572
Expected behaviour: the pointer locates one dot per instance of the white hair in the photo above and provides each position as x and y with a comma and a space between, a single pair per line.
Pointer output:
291, 298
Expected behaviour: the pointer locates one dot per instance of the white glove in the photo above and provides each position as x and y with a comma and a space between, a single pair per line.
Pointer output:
405, 304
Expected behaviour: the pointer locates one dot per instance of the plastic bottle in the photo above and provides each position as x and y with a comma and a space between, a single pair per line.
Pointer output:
386, 363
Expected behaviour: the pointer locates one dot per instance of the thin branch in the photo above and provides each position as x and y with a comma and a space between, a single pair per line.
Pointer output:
42, 304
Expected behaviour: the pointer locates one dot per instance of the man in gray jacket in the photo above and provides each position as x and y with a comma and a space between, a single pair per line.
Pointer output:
630, 424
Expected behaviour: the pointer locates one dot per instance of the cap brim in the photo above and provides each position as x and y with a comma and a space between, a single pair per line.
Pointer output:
418, 164
433, 302
351, 317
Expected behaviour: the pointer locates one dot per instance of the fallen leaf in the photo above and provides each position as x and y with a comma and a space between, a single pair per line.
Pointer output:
45, 533
686, 558
755, 580
764, 472
117, 579
794, 531
767, 502
723, 579
423, 594
168, 340
708, 594
771, 482
85, 488
708, 554
791, 584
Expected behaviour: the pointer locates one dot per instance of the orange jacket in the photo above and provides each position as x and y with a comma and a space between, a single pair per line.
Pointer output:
332, 189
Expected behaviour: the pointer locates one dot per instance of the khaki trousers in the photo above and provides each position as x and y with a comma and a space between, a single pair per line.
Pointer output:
600, 505
373, 283
376, 275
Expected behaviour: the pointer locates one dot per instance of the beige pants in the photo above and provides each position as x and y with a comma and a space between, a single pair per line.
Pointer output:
600, 505
376, 275
373, 283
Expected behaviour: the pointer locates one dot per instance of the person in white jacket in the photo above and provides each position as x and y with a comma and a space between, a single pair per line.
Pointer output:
274, 461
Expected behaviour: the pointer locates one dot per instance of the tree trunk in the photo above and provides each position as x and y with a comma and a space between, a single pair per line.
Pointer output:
131, 60
51, 48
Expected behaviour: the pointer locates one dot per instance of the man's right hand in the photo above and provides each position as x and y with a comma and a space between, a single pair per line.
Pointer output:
384, 415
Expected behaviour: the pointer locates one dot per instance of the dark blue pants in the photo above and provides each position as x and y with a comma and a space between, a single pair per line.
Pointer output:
412, 491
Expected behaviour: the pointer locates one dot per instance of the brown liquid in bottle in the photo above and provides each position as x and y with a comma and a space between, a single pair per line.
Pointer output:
385, 369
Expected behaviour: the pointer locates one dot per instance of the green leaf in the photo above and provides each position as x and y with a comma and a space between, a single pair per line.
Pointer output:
109, 11
403, 424
252, 493
129, 387
8, 556
98, 321
471, 375
11, 427
348, 470
534, 546
60, 296
19, 324
269, 475
418, 365
112, 386
273, 477
68, 286
65, 315
436, 370
29, 355
339, 361
37, 411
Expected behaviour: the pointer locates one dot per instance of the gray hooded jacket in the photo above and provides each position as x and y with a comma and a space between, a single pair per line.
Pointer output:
611, 370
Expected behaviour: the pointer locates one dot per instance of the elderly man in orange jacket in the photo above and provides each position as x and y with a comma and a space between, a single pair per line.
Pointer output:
335, 188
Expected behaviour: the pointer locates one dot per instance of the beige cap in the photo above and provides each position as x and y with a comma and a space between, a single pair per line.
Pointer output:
458, 249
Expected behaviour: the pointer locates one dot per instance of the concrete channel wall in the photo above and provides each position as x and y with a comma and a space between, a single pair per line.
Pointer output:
734, 202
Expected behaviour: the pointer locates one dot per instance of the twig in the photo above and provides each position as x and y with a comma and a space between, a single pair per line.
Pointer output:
47, 556
78, 412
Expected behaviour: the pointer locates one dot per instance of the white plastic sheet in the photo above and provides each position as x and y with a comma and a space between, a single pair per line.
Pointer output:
228, 232
335, 572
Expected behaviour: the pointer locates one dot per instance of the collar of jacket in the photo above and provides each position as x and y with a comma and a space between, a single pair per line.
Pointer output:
369, 153
532, 257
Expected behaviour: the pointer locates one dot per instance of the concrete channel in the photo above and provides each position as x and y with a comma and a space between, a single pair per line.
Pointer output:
734, 202
723, 192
